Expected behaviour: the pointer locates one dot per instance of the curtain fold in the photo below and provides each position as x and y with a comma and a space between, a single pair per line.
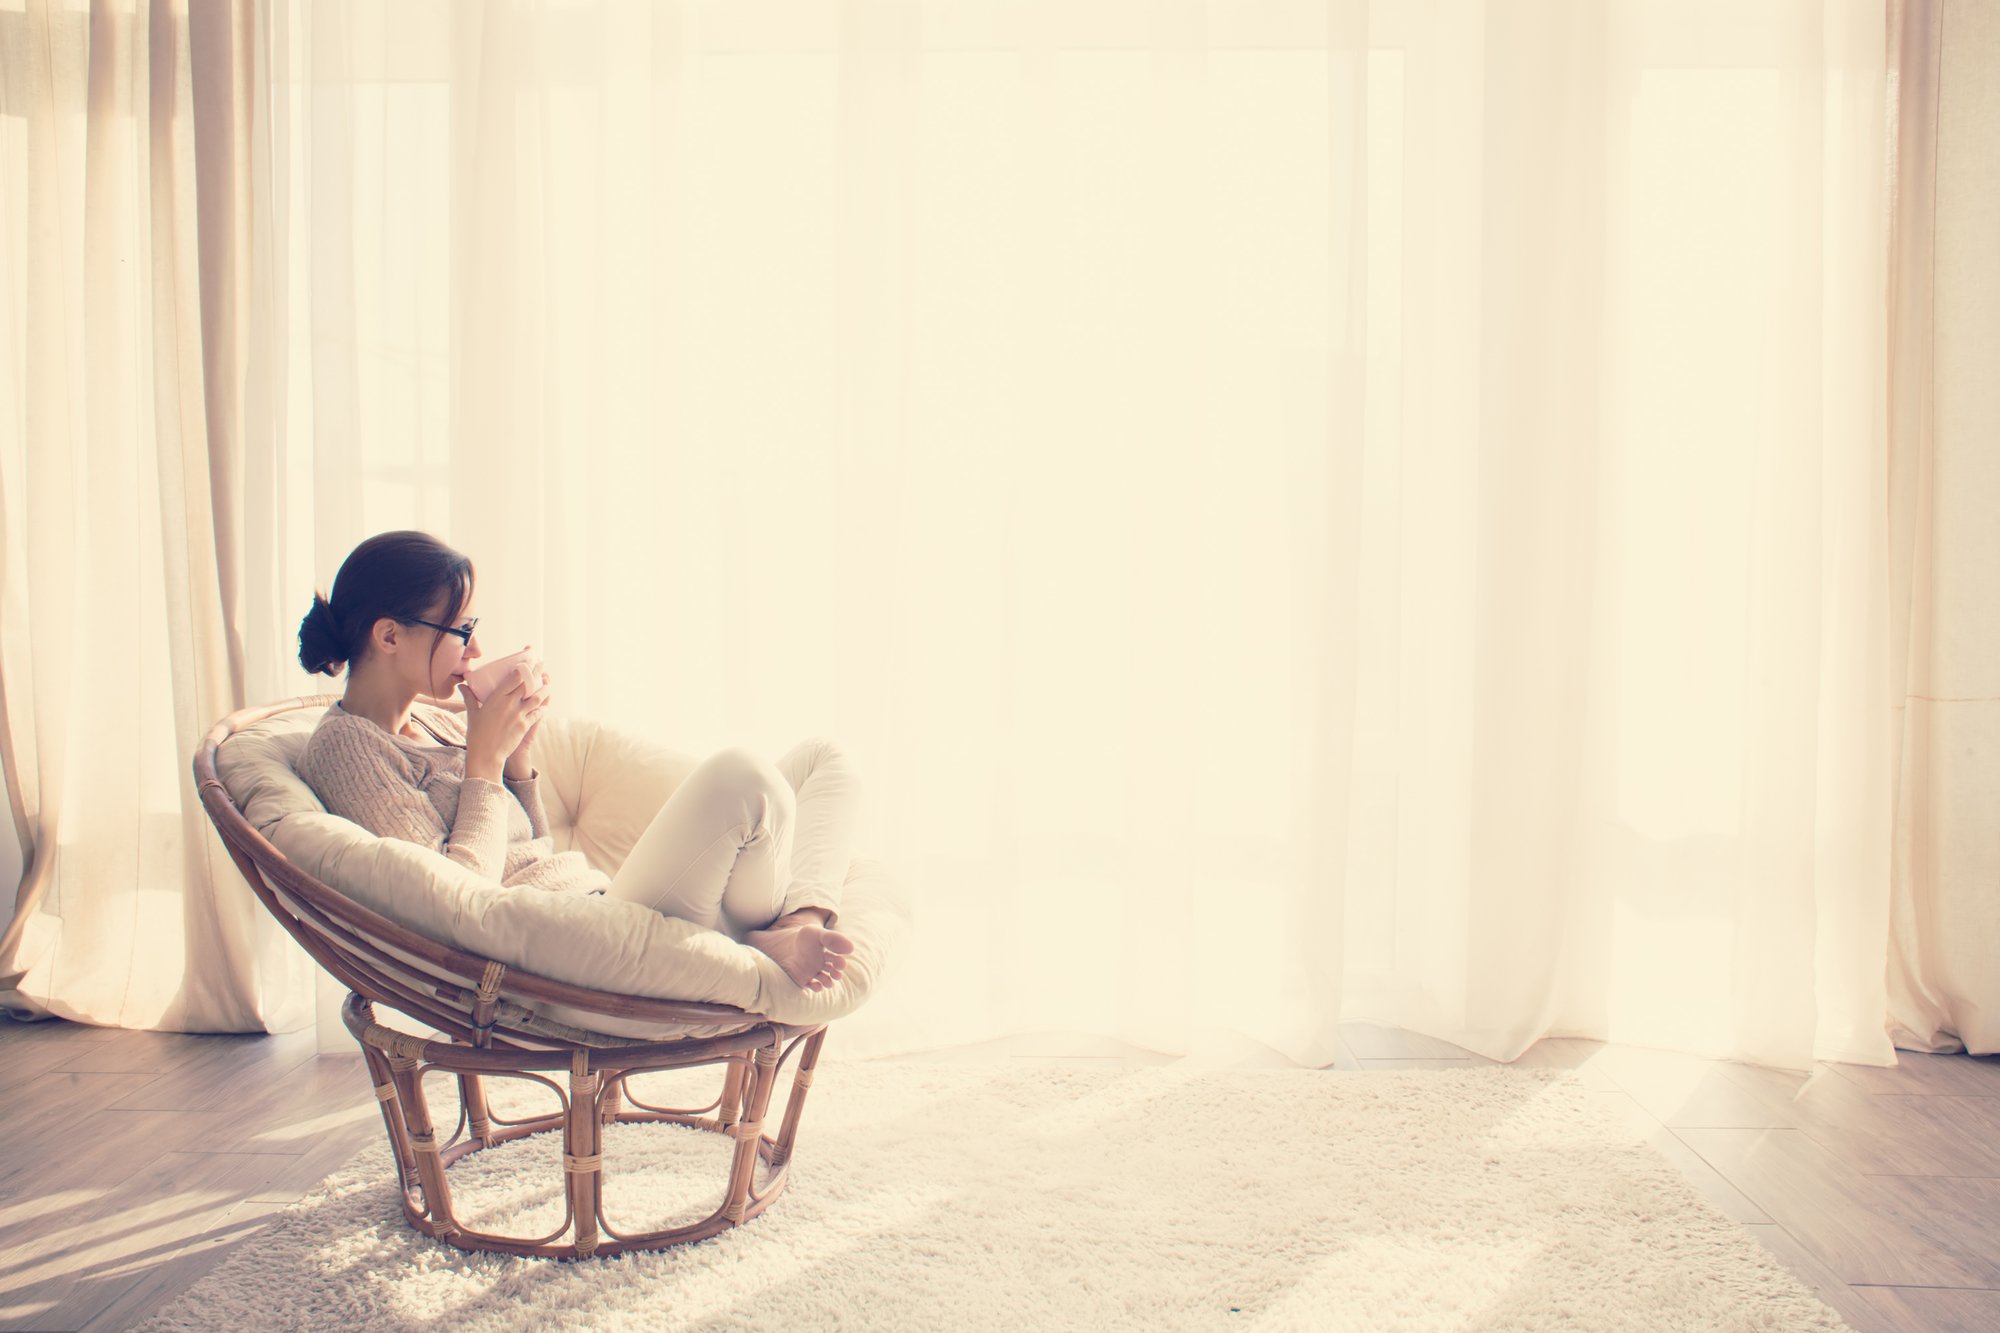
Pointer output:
1944, 992
1233, 474
1300, 511
124, 626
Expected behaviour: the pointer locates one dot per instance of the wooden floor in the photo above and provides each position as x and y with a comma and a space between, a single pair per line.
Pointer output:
126, 1172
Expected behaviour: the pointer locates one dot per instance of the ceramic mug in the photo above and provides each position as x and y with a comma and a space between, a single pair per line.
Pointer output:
482, 681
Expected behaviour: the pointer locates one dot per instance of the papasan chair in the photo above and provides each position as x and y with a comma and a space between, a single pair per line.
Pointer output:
516, 982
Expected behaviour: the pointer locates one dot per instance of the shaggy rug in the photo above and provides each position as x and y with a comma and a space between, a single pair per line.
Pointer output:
943, 1197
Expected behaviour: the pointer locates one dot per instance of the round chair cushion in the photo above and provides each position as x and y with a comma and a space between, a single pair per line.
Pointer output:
600, 789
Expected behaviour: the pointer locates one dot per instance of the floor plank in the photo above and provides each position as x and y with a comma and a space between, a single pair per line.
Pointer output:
1934, 1310
16, 1033
298, 1173
1706, 1179
1689, 1091
23, 1061
1967, 1209
164, 1213
326, 1094
31, 1136
1845, 1300
220, 1068
108, 1146
1863, 1228
1881, 1133
1918, 1072
137, 1051
173, 1274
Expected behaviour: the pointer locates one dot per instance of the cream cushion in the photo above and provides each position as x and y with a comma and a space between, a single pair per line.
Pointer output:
600, 788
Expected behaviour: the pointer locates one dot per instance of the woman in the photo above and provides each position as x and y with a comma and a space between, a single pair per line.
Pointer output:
719, 853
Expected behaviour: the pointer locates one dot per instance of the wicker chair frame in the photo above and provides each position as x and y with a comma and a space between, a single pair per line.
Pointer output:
485, 1036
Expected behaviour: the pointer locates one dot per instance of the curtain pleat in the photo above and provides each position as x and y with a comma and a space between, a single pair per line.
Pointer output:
126, 627
1943, 990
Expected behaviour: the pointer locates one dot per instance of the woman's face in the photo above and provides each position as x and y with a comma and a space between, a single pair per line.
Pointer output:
451, 658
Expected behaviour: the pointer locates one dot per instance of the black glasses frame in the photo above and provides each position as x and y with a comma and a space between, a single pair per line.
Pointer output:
464, 632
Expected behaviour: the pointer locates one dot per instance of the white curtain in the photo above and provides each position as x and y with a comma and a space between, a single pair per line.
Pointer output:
135, 455
1300, 511
1944, 989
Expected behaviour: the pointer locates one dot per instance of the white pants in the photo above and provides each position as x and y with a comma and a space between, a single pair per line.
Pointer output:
742, 841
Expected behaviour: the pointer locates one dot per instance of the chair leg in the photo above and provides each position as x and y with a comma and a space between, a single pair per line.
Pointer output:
583, 1163
472, 1090
802, 1080
731, 1108
384, 1080
423, 1140
749, 1131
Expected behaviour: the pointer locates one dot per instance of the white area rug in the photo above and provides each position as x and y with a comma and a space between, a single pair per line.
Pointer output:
940, 1197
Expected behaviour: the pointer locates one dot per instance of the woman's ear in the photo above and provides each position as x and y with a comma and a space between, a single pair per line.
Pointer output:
384, 634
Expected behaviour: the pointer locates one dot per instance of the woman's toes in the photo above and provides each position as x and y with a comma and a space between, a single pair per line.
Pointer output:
813, 956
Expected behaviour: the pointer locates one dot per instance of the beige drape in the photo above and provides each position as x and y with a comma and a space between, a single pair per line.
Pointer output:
1944, 574
1300, 511
136, 410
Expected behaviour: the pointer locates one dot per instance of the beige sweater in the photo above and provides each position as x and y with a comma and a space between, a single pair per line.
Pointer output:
416, 790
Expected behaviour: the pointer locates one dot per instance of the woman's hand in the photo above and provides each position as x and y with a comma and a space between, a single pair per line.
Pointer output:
497, 730
519, 764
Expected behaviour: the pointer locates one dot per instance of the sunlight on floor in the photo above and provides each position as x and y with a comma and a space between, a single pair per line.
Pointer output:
23, 1313
14, 1214
305, 1129
90, 1247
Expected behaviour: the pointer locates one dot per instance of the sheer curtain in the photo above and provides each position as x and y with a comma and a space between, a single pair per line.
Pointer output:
135, 445
1300, 511
1944, 990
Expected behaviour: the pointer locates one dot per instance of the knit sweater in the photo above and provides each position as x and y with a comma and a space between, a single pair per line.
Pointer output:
417, 790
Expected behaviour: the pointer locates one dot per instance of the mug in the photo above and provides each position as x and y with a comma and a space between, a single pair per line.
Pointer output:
495, 674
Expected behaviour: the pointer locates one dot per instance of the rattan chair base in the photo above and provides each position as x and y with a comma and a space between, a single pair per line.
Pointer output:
397, 1063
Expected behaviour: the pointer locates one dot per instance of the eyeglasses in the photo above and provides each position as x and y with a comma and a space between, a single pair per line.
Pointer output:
464, 632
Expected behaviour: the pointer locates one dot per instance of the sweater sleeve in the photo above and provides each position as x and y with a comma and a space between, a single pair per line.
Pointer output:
367, 780
528, 791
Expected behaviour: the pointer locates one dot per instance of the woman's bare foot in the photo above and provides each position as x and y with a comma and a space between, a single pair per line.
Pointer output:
812, 956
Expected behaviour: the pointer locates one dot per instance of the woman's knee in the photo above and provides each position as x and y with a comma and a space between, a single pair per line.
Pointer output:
821, 755
742, 770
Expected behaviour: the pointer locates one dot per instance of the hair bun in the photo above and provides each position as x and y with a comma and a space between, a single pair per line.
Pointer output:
322, 646
404, 576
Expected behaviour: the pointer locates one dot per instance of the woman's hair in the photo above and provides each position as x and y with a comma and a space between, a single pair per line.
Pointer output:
402, 575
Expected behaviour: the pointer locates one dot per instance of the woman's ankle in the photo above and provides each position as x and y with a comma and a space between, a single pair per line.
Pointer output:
805, 916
